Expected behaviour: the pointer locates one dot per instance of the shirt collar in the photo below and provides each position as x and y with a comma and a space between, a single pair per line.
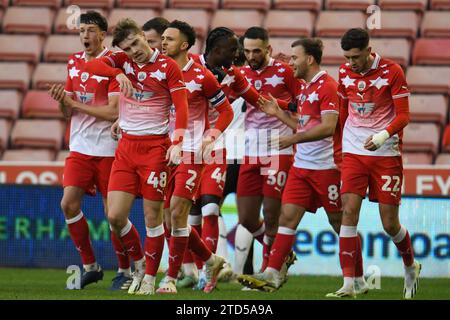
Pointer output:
188, 65
101, 54
317, 76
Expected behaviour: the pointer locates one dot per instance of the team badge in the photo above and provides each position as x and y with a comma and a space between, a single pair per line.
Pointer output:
302, 98
85, 76
142, 76
361, 85
258, 84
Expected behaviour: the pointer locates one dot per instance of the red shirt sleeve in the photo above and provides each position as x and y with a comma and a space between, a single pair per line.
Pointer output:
329, 102
174, 76
400, 97
113, 87
103, 67
68, 87
399, 87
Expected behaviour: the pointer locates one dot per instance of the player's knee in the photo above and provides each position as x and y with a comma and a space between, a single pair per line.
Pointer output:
70, 208
248, 223
391, 228
116, 221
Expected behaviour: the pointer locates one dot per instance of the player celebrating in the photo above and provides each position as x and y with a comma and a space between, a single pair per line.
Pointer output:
314, 178
91, 103
153, 29
150, 83
263, 174
375, 97
203, 89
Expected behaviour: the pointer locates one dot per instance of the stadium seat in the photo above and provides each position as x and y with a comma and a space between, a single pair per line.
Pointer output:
48, 73
394, 49
335, 23
4, 3
37, 133
5, 127
440, 4
20, 48
282, 46
141, 16
198, 47
194, 4
428, 79
333, 70
418, 5
432, 51
237, 20
428, 108
348, 4
62, 155
398, 24
246, 4
436, 24
281, 23
108, 43
312, 5
154, 4
332, 51
29, 155
106, 4
15, 75
10, 101
417, 158
62, 19
40, 3
28, 20
58, 48
421, 137
39, 104
446, 139
198, 19
443, 159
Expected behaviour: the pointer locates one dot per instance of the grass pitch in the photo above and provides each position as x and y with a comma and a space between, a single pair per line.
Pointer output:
49, 284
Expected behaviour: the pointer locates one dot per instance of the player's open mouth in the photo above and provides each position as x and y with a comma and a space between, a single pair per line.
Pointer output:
86, 45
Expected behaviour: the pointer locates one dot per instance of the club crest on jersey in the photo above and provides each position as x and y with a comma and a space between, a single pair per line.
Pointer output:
363, 108
84, 97
302, 98
303, 120
361, 85
142, 76
258, 84
142, 95
85, 76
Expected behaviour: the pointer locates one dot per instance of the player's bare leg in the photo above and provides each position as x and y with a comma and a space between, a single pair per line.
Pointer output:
119, 206
79, 232
348, 244
400, 237
271, 214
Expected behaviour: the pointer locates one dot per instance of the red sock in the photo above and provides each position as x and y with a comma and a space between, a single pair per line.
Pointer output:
198, 261
166, 233
404, 247
347, 255
132, 243
267, 245
210, 234
154, 247
359, 270
121, 253
198, 246
280, 249
188, 256
79, 232
177, 247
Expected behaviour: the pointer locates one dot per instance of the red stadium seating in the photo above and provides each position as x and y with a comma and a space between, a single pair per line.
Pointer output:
198, 19
332, 70
440, 4
443, 159
237, 20
281, 23
436, 24
39, 104
41, 3
5, 127
423, 137
48, 73
313, 5
419, 5
10, 101
20, 48
28, 20
4, 3
446, 139
29, 155
332, 51
141, 16
282, 46
154, 4
15, 75
198, 47
428, 108
62, 155
417, 158
394, 49
432, 51
246, 4
428, 79
37, 133
62, 19
397, 24
348, 4
335, 23
58, 48
194, 4
107, 4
